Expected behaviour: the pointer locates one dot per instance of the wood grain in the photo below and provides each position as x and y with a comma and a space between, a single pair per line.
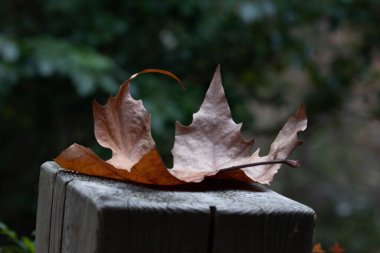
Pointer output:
58, 210
91, 214
45, 200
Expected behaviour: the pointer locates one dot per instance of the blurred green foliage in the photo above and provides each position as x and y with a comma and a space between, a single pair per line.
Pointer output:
10, 242
56, 56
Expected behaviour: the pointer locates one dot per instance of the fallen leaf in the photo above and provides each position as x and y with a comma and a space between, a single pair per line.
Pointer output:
336, 248
317, 248
211, 146
213, 143
123, 125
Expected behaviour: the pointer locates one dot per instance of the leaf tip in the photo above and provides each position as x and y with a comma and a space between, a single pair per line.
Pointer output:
217, 72
302, 110
300, 115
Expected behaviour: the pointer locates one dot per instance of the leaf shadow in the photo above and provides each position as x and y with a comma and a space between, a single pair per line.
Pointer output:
209, 185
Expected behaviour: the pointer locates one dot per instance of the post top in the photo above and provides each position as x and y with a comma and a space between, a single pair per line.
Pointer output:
245, 198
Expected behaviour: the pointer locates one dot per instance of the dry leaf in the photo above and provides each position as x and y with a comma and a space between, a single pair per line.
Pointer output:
211, 146
213, 143
336, 248
123, 125
317, 248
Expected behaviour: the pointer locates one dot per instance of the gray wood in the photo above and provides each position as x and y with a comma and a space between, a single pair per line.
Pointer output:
98, 215
80, 223
45, 199
58, 210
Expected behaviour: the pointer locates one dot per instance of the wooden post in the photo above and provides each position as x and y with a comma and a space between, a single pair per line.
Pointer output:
80, 214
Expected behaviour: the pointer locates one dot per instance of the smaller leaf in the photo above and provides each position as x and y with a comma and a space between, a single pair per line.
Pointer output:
336, 248
318, 248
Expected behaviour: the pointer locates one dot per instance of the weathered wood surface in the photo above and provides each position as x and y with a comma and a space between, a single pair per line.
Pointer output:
84, 214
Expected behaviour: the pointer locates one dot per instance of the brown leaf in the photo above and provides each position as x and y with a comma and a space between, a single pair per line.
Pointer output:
123, 125
213, 143
211, 146
318, 248
336, 248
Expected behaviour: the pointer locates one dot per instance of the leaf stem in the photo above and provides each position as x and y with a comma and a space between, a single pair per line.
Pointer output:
160, 71
290, 163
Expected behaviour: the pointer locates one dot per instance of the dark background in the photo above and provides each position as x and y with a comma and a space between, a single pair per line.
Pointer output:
57, 56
